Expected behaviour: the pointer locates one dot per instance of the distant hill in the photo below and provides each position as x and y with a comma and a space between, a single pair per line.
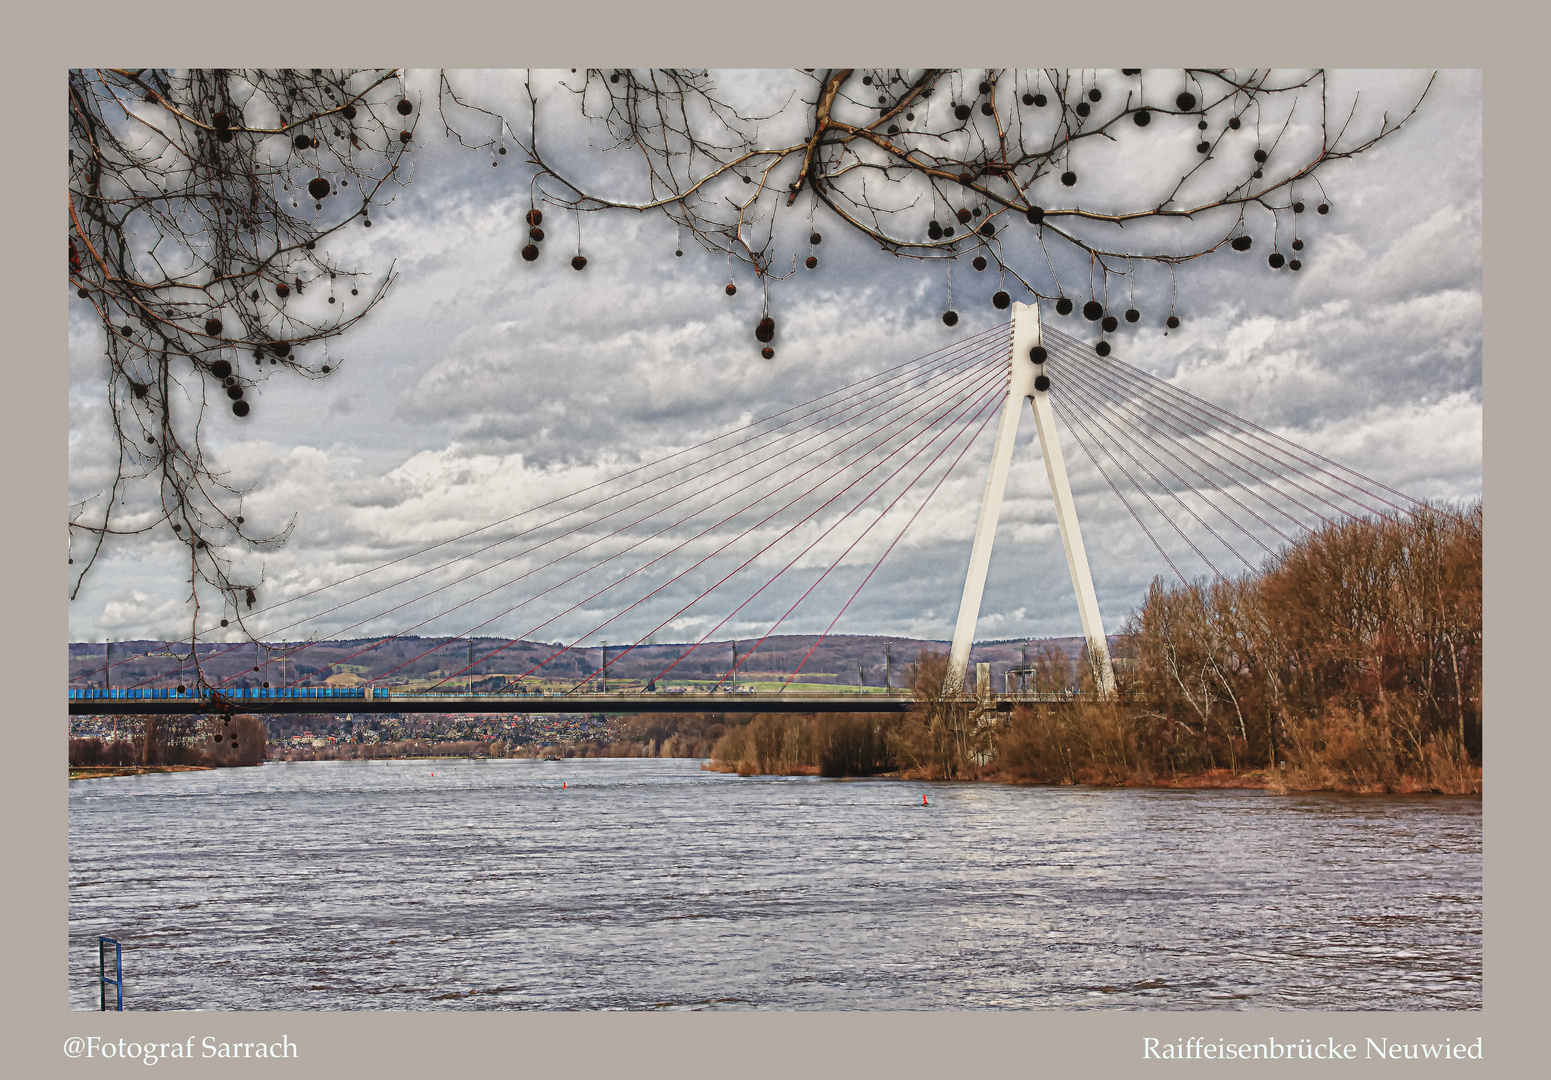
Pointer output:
420, 659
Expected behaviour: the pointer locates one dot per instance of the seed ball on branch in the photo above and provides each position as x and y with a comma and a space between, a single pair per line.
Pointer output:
224, 136
240, 408
1242, 243
282, 290
1035, 215
348, 112
1294, 264
1028, 99
1038, 354
1172, 322
1132, 315
1260, 156
303, 142
961, 111
213, 327
1092, 311
578, 262
1042, 383
767, 352
985, 108
234, 392
765, 331
1040, 100
82, 293
221, 369
988, 229
732, 290
1297, 208
229, 381
985, 88
223, 623
405, 107
1323, 208
1142, 117
535, 217
326, 369
1095, 94
1276, 260
1000, 300
222, 121
950, 317
1102, 348
405, 136
1185, 102
1297, 245
812, 261
1130, 71
934, 231
979, 262
964, 214
536, 235
1233, 122
318, 187
530, 252
1109, 323
1202, 147
1068, 178
1082, 108
1064, 306
815, 239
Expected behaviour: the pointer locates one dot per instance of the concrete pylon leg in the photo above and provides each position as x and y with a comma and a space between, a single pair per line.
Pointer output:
1023, 373
1071, 540
1020, 385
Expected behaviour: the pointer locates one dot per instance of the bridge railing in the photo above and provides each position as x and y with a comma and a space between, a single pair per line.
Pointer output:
343, 692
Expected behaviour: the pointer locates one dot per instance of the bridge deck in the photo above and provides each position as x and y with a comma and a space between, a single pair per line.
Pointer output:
630, 702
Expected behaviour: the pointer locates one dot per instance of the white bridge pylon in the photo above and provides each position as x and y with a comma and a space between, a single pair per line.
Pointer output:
1024, 371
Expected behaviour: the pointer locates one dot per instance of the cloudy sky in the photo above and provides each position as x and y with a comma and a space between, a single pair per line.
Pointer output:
486, 385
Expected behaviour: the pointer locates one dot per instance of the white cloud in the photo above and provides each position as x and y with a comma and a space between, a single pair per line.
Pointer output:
487, 385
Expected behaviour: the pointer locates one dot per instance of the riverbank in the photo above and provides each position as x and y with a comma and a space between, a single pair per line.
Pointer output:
91, 772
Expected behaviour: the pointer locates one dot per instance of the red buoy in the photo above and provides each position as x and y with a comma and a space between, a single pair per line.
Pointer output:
923, 800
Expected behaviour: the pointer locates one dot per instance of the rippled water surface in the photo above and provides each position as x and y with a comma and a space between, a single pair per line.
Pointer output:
649, 884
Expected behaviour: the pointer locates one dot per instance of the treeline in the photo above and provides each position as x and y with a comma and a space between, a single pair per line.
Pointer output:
1352, 661
176, 740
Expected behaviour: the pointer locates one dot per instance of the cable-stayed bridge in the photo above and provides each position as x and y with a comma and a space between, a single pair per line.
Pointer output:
793, 513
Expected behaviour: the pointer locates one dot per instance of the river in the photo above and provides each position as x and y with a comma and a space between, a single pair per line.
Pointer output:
651, 884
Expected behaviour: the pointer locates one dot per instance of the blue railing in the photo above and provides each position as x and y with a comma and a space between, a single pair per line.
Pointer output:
151, 693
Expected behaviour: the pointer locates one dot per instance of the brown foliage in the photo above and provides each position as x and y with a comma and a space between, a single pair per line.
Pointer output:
1354, 657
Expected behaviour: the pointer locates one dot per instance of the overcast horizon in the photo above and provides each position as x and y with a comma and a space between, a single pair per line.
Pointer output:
486, 384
